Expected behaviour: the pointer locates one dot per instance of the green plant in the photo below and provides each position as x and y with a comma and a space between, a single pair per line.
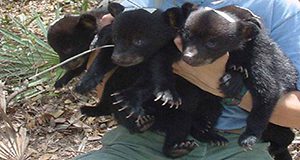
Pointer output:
24, 53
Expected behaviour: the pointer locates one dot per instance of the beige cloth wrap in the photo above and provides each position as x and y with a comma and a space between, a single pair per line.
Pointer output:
286, 113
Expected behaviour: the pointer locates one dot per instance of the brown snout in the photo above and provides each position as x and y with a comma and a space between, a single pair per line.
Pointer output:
189, 55
126, 60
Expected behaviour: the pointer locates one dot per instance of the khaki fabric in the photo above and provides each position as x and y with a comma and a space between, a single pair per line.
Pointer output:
205, 77
100, 87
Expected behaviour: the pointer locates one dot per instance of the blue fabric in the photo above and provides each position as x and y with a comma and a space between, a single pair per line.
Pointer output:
277, 16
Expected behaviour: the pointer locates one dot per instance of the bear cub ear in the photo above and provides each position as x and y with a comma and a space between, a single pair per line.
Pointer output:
255, 20
176, 16
249, 28
115, 8
87, 21
187, 8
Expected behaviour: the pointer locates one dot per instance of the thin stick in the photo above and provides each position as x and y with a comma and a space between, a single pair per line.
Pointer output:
23, 88
2, 96
68, 60
3, 106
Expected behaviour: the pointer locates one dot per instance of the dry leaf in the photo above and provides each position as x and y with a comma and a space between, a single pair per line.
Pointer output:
52, 150
45, 157
94, 138
68, 101
60, 120
82, 145
82, 125
62, 127
57, 113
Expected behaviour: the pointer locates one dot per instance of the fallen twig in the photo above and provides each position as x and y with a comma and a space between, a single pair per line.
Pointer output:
3, 106
23, 88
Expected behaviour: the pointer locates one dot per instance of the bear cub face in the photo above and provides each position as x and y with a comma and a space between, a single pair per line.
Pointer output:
210, 33
143, 36
72, 35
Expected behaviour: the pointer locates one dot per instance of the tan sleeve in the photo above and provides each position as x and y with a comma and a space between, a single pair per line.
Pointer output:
205, 77
100, 87
287, 110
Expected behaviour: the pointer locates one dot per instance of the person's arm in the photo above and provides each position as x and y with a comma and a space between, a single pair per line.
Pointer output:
287, 110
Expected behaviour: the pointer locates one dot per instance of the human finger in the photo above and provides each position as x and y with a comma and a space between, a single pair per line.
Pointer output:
106, 20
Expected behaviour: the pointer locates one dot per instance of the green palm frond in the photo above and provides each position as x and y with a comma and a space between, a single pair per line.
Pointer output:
24, 53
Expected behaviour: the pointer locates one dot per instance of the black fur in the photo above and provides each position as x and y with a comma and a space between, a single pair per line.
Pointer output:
280, 138
271, 73
101, 65
70, 36
142, 39
195, 118
65, 28
139, 43
147, 52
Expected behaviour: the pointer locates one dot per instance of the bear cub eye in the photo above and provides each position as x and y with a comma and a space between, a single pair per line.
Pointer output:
185, 34
138, 42
211, 43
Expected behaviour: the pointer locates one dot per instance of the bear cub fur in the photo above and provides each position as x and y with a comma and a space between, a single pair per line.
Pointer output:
148, 50
269, 73
70, 36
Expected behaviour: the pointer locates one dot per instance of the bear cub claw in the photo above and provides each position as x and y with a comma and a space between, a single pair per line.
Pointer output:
181, 149
143, 123
231, 84
128, 103
169, 97
218, 140
240, 69
247, 142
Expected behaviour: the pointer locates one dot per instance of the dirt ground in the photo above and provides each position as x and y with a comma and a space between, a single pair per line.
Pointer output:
55, 127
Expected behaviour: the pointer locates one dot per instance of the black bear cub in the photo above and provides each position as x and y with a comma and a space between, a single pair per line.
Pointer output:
141, 39
196, 117
268, 71
144, 48
70, 36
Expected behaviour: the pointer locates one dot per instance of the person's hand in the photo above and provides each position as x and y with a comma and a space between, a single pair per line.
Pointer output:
178, 43
106, 20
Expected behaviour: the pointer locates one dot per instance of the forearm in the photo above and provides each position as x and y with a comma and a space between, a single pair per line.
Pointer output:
287, 110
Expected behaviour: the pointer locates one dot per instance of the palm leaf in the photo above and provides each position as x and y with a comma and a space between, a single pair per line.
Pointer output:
25, 53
